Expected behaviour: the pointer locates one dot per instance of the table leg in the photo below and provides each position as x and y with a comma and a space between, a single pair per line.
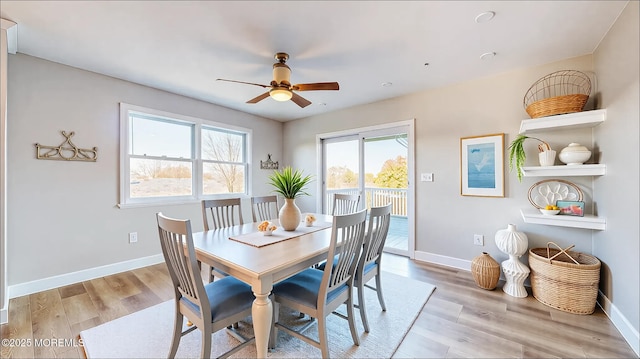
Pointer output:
262, 311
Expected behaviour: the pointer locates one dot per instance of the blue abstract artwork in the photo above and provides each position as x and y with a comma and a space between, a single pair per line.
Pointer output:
481, 165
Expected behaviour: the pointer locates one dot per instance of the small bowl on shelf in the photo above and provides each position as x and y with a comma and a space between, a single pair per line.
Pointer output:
549, 212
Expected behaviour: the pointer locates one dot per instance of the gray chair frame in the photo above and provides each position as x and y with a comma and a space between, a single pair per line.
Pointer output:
220, 213
192, 298
223, 213
371, 258
347, 238
261, 208
345, 203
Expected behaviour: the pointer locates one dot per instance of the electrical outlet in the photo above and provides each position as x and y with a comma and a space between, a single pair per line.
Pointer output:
133, 237
478, 239
426, 177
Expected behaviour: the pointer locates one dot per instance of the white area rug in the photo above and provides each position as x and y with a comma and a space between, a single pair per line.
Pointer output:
147, 333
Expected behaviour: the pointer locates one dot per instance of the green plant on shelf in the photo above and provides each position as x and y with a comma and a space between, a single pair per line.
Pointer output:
517, 155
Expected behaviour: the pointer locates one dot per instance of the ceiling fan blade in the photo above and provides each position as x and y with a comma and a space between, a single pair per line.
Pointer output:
317, 86
299, 100
259, 98
242, 82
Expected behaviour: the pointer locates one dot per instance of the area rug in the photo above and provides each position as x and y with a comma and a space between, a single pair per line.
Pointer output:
147, 333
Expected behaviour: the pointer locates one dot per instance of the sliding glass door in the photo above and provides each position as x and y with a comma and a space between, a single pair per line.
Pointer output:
374, 164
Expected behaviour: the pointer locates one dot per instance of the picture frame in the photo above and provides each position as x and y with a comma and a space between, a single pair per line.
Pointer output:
571, 208
482, 165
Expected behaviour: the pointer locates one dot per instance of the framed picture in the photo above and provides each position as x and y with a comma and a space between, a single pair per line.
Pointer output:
571, 208
482, 165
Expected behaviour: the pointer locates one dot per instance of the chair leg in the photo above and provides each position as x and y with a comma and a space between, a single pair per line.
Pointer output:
363, 312
177, 334
379, 291
352, 322
206, 343
273, 336
322, 336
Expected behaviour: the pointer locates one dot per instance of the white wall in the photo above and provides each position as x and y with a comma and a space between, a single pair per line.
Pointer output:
62, 216
616, 63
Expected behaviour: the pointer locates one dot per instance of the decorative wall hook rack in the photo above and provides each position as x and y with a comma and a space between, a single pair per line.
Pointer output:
269, 164
67, 151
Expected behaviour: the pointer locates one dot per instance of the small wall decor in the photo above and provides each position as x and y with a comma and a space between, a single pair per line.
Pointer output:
67, 151
482, 166
269, 164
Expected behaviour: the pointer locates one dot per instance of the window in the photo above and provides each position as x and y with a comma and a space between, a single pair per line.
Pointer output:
173, 158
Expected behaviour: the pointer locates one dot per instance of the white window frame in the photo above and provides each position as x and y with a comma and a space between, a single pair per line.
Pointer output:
126, 201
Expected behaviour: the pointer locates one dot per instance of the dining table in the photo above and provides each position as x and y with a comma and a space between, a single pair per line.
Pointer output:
261, 266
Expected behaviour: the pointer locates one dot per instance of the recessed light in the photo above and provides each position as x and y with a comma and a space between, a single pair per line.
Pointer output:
487, 55
387, 84
485, 17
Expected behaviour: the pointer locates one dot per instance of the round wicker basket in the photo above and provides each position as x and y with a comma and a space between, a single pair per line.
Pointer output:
560, 92
486, 271
564, 279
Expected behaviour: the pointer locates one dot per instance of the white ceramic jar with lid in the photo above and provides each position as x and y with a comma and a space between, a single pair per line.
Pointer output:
574, 154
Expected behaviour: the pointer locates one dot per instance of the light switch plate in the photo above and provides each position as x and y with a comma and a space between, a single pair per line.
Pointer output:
426, 177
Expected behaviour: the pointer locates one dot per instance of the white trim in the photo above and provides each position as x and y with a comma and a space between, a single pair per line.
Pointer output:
626, 329
4, 316
39, 285
12, 35
453, 262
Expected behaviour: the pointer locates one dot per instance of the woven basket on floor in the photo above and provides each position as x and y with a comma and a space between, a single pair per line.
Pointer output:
564, 279
558, 93
485, 271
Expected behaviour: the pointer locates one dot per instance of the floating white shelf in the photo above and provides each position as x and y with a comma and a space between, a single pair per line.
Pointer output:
570, 120
587, 222
565, 170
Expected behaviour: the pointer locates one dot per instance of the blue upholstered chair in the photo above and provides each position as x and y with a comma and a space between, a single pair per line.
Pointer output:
319, 292
211, 307
370, 260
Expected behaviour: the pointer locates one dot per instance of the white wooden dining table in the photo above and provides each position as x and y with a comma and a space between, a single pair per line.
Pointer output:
262, 267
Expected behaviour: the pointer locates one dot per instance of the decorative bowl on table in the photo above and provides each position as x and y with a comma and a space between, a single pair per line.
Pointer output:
549, 212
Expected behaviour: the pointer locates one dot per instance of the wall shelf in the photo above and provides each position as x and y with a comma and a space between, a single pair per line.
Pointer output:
565, 170
571, 120
587, 222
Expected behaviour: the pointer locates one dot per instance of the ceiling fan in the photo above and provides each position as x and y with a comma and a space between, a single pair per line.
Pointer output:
281, 89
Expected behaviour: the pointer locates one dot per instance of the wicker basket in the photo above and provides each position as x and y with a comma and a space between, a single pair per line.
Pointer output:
485, 271
564, 279
558, 93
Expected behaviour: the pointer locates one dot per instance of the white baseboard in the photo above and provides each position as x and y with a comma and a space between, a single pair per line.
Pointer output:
443, 260
39, 285
623, 325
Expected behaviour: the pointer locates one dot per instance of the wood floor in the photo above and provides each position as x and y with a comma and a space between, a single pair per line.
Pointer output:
459, 320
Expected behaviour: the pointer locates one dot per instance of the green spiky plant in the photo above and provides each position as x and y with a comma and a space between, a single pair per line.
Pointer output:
517, 156
289, 183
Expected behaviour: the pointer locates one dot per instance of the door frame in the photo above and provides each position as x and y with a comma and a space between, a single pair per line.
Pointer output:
410, 170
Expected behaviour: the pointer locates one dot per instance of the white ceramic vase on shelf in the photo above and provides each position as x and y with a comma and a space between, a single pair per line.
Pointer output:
289, 215
547, 158
515, 244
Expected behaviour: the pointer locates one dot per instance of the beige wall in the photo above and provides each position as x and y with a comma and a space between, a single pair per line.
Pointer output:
617, 66
62, 215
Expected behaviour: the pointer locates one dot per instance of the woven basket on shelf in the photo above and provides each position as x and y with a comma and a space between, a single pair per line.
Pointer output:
564, 279
560, 92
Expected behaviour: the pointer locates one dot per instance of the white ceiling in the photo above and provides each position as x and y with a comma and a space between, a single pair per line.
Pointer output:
183, 46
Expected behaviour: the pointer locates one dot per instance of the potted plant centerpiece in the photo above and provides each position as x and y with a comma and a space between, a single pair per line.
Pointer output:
517, 155
290, 184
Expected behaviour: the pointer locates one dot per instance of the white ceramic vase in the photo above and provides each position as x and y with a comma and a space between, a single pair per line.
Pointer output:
289, 215
515, 244
547, 158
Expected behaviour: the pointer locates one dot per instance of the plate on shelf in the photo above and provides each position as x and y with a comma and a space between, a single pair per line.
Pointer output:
549, 191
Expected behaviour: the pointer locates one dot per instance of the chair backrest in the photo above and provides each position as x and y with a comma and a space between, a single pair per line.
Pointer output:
377, 230
347, 237
179, 253
262, 208
345, 203
221, 213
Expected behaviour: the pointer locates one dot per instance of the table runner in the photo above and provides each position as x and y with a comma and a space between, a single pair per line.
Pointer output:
257, 239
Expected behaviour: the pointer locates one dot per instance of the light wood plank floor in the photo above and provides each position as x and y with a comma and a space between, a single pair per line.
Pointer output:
459, 320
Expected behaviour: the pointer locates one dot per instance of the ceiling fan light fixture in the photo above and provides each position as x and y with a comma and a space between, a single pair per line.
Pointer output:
280, 94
